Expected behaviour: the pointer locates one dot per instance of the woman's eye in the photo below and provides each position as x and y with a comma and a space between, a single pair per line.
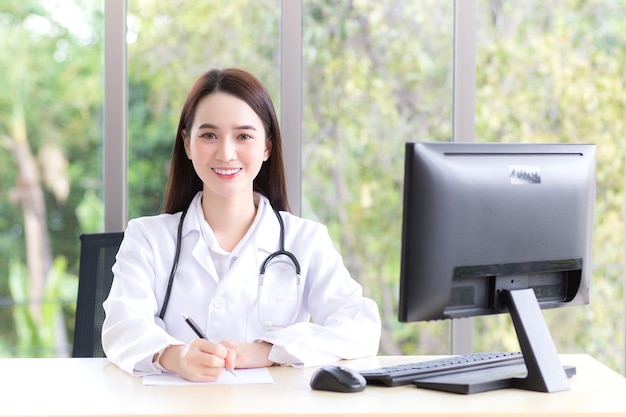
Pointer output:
208, 135
245, 136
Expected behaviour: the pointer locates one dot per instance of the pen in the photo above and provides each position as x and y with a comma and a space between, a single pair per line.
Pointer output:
201, 334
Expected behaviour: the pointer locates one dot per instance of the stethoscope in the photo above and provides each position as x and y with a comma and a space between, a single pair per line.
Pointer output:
268, 325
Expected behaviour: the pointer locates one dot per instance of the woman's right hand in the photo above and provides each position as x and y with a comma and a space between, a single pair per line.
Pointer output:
199, 361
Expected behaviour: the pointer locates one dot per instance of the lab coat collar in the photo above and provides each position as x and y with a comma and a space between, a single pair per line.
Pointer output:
265, 240
191, 225
267, 237
191, 218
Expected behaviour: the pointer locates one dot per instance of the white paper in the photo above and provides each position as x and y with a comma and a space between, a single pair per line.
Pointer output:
244, 376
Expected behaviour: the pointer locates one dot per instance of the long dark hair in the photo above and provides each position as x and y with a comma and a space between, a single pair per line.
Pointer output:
184, 183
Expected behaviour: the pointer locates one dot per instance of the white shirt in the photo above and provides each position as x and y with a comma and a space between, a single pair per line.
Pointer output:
222, 259
334, 321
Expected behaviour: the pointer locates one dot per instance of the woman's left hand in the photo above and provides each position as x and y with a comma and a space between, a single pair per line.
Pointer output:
250, 355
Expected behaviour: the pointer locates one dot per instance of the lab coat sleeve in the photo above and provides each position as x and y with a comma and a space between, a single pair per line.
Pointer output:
131, 335
344, 324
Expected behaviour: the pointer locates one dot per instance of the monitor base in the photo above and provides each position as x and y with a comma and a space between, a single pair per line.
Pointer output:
507, 376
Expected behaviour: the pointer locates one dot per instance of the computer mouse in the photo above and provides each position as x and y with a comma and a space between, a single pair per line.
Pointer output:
338, 379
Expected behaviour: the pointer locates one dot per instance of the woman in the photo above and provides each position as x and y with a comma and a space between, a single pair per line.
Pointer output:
226, 181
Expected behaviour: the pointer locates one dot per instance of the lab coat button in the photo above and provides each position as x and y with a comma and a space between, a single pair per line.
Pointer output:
219, 303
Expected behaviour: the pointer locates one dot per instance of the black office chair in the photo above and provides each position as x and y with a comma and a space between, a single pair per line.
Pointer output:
97, 256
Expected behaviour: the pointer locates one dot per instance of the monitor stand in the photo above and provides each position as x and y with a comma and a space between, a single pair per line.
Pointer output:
542, 372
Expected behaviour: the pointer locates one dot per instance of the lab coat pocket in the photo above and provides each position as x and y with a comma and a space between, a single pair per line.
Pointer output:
278, 300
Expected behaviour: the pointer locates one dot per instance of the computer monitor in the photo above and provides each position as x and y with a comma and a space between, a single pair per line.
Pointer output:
498, 228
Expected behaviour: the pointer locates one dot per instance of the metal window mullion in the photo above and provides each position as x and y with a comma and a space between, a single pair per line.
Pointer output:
291, 98
115, 161
464, 103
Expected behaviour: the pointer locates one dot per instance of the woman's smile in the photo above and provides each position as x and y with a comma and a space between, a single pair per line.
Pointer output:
226, 172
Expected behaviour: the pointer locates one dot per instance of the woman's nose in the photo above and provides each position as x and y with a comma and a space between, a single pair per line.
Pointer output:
227, 150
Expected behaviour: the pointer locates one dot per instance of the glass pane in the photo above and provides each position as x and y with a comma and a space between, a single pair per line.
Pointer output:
169, 46
51, 134
377, 74
554, 72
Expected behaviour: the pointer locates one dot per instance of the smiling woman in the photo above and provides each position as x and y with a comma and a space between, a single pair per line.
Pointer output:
227, 141
234, 212
227, 101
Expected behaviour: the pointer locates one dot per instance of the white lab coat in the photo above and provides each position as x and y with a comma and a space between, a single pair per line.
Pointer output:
335, 321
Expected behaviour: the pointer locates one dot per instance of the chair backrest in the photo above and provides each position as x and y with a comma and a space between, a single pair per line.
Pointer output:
97, 256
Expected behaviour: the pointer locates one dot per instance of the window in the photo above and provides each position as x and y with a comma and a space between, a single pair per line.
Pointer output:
554, 73
376, 74
51, 96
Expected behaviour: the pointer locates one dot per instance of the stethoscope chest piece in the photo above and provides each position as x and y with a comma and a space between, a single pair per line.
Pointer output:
281, 252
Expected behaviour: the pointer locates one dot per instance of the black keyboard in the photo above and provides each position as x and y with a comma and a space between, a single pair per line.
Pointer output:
392, 376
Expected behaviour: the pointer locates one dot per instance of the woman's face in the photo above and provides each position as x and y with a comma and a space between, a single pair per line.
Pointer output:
227, 145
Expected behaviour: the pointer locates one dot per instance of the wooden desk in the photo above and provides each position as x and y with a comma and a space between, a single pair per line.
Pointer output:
72, 387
